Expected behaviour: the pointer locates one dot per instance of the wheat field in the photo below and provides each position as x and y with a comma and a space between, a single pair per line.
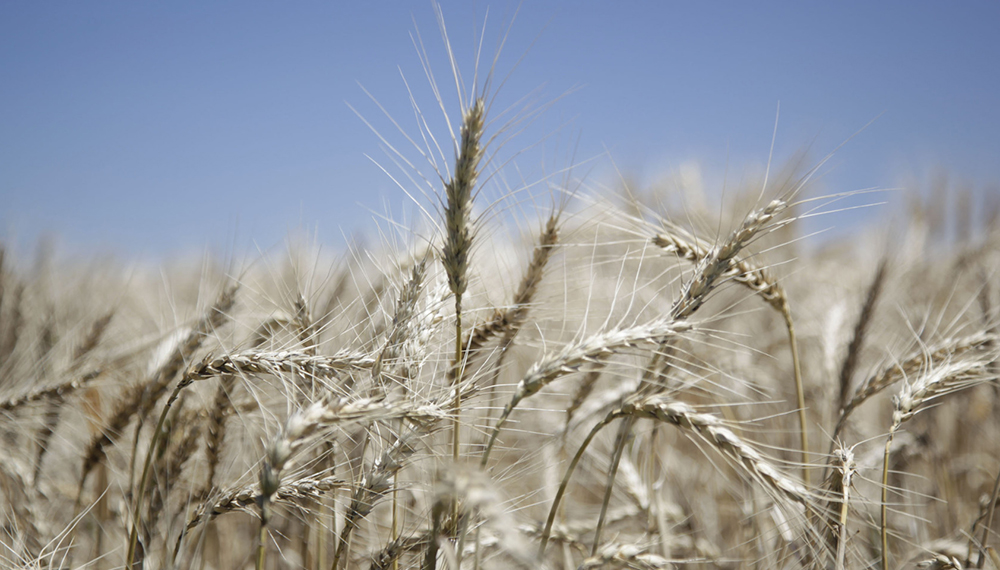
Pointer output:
610, 380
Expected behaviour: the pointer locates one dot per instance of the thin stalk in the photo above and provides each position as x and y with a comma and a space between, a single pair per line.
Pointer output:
457, 408
137, 513
885, 495
623, 432
989, 523
842, 541
261, 543
394, 532
646, 385
799, 392
475, 560
547, 531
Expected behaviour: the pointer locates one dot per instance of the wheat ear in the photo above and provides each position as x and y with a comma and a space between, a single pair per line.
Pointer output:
244, 497
508, 322
275, 363
745, 457
757, 280
860, 328
913, 397
625, 556
56, 391
457, 250
406, 311
918, 361
595, 348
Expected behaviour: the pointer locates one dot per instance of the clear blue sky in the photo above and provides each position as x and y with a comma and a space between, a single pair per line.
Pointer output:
153, 127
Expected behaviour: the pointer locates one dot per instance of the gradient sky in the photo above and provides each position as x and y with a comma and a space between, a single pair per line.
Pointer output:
146, 128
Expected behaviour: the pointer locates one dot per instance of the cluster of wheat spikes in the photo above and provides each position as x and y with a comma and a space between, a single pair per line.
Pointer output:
443, 404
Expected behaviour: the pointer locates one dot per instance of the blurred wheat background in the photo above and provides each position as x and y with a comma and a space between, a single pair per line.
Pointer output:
545, 359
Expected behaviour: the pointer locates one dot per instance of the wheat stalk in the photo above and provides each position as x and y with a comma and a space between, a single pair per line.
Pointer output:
840, 483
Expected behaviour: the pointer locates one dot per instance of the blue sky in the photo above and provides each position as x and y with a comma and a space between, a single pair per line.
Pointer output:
147, 128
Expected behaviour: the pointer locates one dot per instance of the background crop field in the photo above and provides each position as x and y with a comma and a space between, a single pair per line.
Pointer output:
546, 358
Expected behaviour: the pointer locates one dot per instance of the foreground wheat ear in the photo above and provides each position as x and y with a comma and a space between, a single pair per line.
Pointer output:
455, 256
457, 250
758, 280
444, 402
